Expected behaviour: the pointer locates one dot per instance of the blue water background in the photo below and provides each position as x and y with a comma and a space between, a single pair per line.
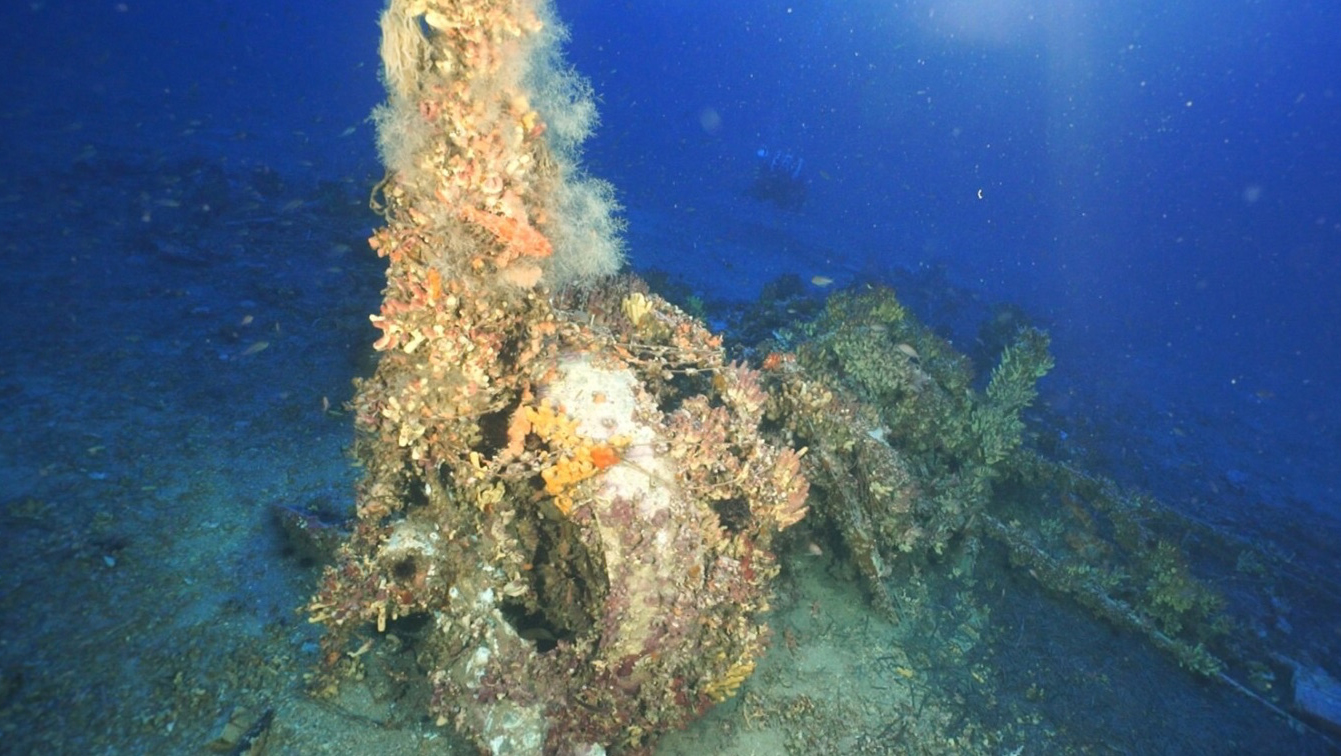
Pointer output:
1155, 179
1164, 179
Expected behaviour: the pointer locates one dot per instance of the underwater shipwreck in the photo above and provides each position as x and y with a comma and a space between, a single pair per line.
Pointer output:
574, 496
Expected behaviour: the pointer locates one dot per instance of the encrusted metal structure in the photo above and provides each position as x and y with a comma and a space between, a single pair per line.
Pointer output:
567, 507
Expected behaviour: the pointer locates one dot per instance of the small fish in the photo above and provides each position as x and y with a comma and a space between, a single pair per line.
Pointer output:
255, 347
253, 741
242, 735
348, 131
908, 350
822, 281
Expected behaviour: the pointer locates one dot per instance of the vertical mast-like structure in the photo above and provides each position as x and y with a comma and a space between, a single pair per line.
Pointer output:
567, 507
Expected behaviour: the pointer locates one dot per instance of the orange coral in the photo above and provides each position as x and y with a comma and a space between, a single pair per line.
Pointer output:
518, 237
604, 455
581, 458
565, 474
434, 284
550, 423
577, 464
